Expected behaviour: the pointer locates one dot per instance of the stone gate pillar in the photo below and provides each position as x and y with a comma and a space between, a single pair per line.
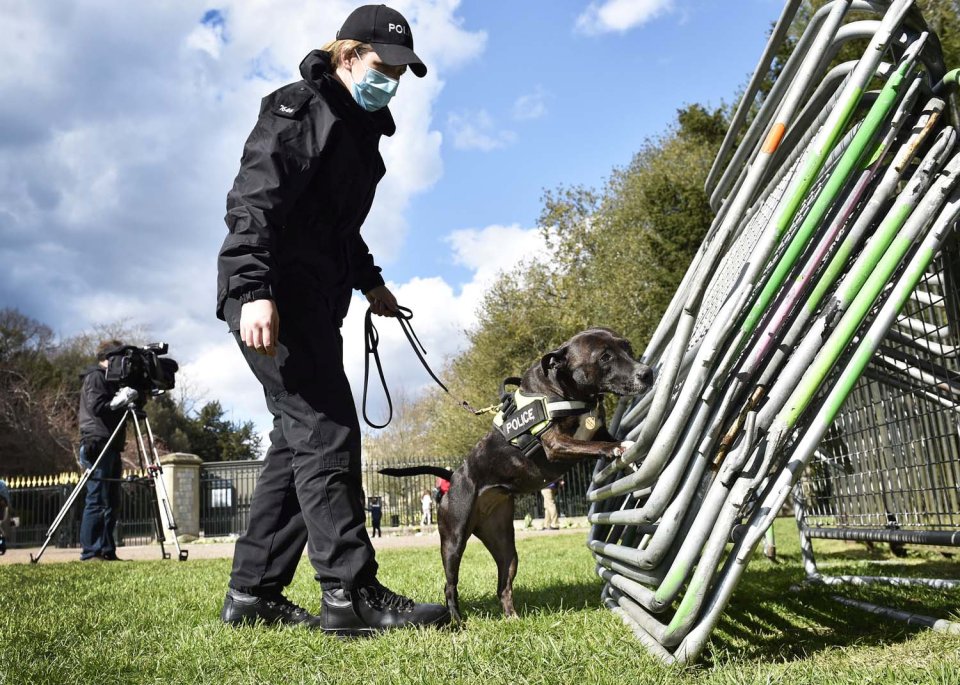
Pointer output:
181, 476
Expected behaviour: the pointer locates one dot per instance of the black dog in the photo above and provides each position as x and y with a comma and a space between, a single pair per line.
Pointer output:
570, 380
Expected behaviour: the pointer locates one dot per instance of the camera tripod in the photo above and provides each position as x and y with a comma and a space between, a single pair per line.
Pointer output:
150, 459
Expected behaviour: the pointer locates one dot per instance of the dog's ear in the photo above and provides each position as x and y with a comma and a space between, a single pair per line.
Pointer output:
553, 360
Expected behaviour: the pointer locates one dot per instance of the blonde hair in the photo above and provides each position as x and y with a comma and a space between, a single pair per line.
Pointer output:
342, 49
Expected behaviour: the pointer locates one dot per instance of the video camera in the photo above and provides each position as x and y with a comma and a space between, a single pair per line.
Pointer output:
142, 368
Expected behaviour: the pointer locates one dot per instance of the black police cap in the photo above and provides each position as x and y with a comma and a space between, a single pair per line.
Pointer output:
387, 32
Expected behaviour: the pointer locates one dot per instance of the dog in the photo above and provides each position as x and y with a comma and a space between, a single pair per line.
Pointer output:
480, 501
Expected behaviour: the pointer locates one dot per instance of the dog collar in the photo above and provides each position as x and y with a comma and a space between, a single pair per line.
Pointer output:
522, 414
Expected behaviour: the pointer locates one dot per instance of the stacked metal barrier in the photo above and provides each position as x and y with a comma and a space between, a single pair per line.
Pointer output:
831, 205
889, 469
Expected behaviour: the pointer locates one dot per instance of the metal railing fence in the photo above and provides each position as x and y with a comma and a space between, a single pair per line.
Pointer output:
226, 491
37, 506
401, 496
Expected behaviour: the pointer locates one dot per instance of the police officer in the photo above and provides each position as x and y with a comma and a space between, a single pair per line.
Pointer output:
287, 268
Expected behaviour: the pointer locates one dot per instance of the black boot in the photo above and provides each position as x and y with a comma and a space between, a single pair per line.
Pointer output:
240, 608
374, 608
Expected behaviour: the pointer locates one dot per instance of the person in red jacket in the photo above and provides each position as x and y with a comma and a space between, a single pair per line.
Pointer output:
440, 490
292, 256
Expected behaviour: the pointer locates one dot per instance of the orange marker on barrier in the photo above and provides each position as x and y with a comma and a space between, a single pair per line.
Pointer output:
773, 138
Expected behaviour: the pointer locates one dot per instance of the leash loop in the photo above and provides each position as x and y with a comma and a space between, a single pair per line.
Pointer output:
403, 315
371, 340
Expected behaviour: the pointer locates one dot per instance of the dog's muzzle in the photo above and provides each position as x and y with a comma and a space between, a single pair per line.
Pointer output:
643, 379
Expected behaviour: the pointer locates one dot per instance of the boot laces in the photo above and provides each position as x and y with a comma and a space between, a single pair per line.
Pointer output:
285, 605
381, 596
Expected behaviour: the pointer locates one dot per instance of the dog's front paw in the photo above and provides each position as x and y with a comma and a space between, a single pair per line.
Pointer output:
622, 448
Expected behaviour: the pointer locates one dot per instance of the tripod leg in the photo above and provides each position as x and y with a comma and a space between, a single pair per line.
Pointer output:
165, 520
146, 462
158, 523
76, 491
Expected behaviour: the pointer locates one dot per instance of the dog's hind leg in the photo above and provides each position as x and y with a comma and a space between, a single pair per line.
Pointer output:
455, 517
496, 532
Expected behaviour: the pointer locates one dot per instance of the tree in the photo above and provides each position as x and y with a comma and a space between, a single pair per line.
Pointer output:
171, 428
40, 391
212, 437
942, 17
406, 436
617, 256
37, 421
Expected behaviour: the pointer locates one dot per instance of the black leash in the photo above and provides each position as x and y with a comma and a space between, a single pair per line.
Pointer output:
371, 343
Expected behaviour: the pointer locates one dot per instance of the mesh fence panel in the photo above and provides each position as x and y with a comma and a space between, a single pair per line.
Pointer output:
892, 458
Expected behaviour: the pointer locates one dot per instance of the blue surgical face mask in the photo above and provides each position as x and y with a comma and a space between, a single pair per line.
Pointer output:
375, 90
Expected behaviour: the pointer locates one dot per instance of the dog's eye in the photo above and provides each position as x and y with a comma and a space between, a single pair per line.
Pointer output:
606, 356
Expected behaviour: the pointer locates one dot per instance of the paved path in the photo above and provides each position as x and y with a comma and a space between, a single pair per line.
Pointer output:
219, 550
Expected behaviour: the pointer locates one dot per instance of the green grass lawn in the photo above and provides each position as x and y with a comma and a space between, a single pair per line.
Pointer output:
157, 622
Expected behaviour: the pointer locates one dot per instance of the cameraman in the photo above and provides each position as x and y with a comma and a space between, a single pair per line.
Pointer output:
102, 409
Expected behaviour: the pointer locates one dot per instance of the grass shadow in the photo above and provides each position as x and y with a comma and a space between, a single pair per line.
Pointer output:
767, 620
556, 597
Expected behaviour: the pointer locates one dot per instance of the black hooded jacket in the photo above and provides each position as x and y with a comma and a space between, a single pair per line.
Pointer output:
306, 183
97, 420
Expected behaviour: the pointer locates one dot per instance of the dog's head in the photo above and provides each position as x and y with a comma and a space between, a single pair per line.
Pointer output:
596, 361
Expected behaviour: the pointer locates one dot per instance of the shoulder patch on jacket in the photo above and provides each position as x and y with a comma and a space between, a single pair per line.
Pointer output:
291, 102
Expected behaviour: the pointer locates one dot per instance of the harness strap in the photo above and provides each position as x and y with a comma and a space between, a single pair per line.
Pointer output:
564, 408
522, 417
529, 444
371, 344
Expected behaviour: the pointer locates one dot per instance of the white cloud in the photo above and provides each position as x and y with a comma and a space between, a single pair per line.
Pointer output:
210, 35
119, 140
113, 180
477, 131
24, 51
530, 106
218, 366
442, 315
413, 165
491, 250
620, 15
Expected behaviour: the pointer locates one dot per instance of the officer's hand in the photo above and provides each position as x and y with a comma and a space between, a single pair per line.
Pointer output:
382, 301
260, 326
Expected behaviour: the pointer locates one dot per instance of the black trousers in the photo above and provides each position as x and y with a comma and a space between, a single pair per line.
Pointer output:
310, 491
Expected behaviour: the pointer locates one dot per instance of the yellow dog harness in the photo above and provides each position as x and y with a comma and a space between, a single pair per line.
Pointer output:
523, 418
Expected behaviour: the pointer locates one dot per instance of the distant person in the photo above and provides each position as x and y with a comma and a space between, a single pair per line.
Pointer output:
551, 519
7, 520
376, 513
426, 504
103, 407
287, 269
441, 488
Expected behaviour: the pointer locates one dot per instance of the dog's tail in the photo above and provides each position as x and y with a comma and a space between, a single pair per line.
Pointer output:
419, 471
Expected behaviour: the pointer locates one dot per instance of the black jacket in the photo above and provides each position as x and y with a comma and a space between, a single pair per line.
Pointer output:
97, 420
306, 183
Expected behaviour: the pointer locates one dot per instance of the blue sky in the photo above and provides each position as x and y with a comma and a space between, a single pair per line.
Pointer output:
602, 95
121, 126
